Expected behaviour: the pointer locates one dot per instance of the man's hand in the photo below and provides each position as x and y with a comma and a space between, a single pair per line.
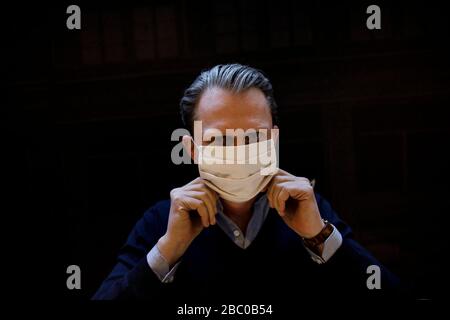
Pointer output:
293, 198
192, 208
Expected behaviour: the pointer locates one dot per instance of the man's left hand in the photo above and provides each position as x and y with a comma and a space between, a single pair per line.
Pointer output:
293, 198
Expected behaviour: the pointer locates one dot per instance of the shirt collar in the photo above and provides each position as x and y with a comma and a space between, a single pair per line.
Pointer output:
260, 210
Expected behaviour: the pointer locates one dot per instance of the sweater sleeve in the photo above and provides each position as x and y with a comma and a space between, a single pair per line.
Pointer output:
351, 261
132, 277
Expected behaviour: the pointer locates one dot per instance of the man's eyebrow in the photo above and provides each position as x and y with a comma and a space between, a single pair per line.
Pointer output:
248, 130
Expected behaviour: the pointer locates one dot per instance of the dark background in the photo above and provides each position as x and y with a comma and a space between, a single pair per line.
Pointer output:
91, 112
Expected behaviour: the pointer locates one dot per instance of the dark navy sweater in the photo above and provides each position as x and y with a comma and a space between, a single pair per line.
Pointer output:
275, 268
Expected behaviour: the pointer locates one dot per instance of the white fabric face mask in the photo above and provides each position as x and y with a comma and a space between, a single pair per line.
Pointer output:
238, 173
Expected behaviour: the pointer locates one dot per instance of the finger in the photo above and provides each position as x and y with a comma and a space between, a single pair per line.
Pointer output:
305, 180
282, 172
275, 201
274, 194
203, 212
198, 205
212, 200
203, 196
194, 185
196, 180
193, 182
283, 178
197, 184
270, 193
282, 197
271, 188
298, 190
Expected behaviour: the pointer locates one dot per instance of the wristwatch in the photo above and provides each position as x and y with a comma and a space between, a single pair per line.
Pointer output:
315, 242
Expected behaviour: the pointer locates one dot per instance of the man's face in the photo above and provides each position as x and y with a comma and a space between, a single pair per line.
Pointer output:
220, 109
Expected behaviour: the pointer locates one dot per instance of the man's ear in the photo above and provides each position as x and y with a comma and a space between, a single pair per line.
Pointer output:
275, 133
189, 146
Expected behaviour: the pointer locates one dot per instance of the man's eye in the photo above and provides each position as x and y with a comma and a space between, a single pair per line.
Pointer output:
235, 140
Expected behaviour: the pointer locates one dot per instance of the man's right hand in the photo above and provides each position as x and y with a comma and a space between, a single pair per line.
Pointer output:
192, 208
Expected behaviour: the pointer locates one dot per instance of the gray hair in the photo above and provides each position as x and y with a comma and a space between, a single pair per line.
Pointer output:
234, 77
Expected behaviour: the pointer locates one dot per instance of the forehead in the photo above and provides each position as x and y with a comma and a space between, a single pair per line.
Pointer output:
222, 109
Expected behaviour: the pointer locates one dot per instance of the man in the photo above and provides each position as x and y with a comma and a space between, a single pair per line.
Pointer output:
221, 238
